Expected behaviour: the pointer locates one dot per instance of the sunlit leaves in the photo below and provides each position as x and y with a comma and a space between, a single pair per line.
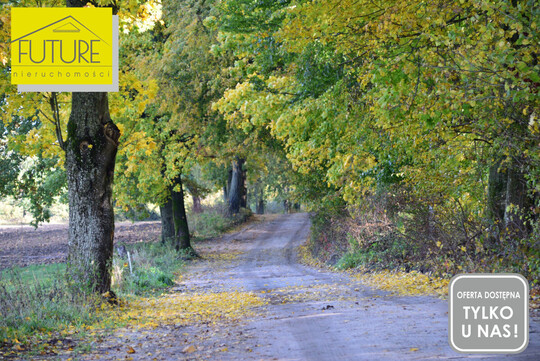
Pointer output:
378, 92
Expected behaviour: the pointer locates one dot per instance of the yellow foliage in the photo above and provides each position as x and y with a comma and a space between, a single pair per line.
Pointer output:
188, 308
406, 283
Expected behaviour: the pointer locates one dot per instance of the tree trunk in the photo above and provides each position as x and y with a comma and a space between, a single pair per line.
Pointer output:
260, 206
197, 207
243, 184
90, 159
237, 190
167, 221
228, 185
182, 239
260, 202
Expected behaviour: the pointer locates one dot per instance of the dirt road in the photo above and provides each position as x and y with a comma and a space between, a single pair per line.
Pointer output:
309, 315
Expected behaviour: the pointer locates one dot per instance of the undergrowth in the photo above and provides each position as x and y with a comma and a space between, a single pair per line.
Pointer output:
39, 310
214, 221
37, 304
371, 241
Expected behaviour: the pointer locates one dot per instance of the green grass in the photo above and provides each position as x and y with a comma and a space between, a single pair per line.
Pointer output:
213, 222
36, 303
45, 275
154, 267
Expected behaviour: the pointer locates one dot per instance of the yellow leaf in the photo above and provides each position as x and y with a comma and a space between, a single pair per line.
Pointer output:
189, 349
130, 350
413, 349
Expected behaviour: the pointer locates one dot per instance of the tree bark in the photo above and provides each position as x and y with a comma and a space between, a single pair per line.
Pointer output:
90, 159
260, 206
225, 193
228, 185
182, 238
237, 191
260, 202
167, 221
197, 207
243, 184
193, 189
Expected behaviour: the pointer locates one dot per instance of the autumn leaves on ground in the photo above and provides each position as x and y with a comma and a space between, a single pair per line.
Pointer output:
251, 295
244, 290
409, 130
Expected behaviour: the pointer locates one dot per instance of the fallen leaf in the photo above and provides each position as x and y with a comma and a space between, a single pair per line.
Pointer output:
130, 350
413, 349
189, 349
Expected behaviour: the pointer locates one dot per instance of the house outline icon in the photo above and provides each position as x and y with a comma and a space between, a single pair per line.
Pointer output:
60, 31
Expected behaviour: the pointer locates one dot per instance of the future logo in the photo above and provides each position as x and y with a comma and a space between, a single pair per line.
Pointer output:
64, 49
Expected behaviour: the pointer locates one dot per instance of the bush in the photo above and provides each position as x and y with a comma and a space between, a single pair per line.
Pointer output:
398, 233
153, 268
214, 221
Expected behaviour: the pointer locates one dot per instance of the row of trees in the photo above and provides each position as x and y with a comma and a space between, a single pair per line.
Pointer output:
430, 107
151, 139
433, 107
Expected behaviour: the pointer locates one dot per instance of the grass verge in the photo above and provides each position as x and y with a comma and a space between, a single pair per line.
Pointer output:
41, 315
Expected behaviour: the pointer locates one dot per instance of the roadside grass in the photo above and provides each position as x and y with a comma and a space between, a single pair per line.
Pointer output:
213, 221
154, 267
46, 275
38, 305
41, 314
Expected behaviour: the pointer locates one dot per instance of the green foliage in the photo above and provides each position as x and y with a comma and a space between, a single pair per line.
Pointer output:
154, 266
414, 103
210, 223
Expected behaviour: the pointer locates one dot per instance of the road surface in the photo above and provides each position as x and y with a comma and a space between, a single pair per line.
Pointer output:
310, 315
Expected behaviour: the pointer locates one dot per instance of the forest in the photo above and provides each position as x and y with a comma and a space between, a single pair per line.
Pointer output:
407, 131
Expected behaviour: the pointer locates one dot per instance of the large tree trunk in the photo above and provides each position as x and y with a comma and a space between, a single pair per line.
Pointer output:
237, 190
167, 221
182, 239
90, 158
